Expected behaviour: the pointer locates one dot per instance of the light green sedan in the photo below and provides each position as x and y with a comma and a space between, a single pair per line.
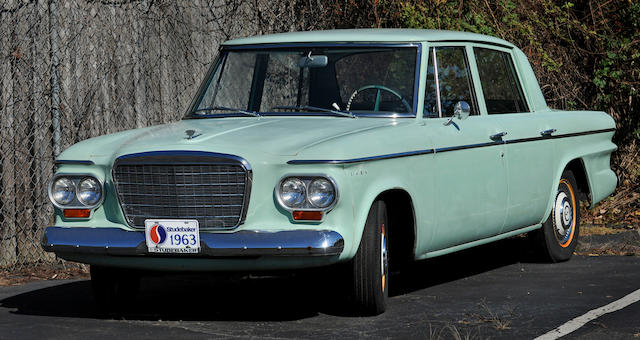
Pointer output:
358, 149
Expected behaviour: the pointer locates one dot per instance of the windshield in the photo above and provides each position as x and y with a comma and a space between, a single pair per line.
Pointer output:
340, 81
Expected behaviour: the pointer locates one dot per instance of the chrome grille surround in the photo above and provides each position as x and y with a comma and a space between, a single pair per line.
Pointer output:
212, 188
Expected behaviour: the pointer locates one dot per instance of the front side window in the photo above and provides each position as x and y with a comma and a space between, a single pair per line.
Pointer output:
362, 80
500, 85
452, 82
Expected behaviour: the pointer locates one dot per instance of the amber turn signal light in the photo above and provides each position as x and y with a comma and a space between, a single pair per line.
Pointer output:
77, 213
307, 215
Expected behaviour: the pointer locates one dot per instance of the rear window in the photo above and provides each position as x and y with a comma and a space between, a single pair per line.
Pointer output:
500, 85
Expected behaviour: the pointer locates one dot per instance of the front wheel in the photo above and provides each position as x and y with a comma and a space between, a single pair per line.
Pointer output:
558, 237
370, 266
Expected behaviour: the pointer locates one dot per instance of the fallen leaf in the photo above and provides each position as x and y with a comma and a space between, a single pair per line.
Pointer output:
17, 53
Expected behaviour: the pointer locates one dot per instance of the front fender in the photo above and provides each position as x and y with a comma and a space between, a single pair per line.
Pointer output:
372, 179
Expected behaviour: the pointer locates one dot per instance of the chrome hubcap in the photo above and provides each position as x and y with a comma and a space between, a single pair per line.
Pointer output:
563, 216
383, 256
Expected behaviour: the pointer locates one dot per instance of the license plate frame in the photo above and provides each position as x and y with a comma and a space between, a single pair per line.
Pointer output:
173, 236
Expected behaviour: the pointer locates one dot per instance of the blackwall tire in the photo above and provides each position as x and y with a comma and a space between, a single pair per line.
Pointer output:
370, 266
558, 237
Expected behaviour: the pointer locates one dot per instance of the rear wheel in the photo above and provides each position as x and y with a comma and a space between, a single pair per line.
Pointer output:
370, 266
558, 237
114, 289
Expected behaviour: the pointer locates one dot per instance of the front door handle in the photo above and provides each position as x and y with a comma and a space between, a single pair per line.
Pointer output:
547, 132
498, 136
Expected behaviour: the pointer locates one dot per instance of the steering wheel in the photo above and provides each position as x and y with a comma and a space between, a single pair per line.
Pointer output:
380, 88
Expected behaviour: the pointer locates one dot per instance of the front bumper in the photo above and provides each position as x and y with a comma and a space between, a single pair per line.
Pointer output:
245, 243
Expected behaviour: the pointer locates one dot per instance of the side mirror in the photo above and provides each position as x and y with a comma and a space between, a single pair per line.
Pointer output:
461, 110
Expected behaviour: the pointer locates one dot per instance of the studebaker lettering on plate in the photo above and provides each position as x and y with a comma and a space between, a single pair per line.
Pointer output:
354, 148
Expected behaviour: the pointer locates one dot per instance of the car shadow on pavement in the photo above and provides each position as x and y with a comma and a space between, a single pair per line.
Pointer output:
466, 263
253, 298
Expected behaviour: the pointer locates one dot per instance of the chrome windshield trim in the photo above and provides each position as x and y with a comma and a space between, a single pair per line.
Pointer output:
306, 113
225, 48
73, 161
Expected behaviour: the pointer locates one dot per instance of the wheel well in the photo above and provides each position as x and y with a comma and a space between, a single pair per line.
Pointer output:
576, 166
401, 222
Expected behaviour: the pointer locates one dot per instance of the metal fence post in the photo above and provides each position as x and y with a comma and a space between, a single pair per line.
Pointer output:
55, 88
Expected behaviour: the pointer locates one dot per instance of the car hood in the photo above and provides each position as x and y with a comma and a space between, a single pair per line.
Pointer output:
247, 137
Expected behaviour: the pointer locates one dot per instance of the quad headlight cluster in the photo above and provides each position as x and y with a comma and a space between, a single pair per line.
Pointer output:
75, 191
307, 193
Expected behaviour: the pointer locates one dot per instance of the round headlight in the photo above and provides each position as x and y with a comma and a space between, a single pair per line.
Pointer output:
89, 191
292, 192
63, 191
321, 193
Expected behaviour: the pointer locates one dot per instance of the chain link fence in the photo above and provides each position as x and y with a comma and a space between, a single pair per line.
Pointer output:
71, 70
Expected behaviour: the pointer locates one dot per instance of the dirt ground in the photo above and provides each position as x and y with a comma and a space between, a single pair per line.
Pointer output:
43, 271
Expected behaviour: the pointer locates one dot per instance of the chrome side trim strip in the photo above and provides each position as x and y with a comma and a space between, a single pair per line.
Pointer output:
73, 161
362, 159
584, 133
119, 242
439, 150
566, 135
469, 146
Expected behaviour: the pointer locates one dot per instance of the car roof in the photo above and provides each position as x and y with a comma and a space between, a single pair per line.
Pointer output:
368, 35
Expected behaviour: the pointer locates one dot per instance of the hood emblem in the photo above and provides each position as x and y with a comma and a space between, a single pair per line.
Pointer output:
191, 134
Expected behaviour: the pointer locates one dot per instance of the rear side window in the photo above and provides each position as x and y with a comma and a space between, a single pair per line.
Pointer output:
500, 85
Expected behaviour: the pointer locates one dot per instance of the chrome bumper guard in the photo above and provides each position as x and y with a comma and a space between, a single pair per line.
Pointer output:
116, 241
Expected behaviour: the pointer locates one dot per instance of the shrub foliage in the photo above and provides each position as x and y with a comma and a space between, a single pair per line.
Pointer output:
586, 54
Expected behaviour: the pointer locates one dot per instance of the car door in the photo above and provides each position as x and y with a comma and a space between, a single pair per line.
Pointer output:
470, 175
529, 152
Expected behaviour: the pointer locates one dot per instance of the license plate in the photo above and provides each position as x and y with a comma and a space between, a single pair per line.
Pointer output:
172, 236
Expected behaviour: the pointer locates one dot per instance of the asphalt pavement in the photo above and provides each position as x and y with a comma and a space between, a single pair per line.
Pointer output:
495, 291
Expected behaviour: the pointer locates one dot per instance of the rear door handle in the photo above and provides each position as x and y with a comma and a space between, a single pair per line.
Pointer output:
547, 132
498, 136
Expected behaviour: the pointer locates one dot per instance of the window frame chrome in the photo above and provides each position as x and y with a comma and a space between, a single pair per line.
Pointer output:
225, 48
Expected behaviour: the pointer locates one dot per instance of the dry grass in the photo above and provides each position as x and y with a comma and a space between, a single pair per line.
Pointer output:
449, 332
488, 316
599, 230
622, 208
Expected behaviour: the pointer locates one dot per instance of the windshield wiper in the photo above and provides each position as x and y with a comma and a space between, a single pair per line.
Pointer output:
224, 108
315, 108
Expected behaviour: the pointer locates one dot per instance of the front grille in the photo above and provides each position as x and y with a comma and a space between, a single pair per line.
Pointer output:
206, 187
